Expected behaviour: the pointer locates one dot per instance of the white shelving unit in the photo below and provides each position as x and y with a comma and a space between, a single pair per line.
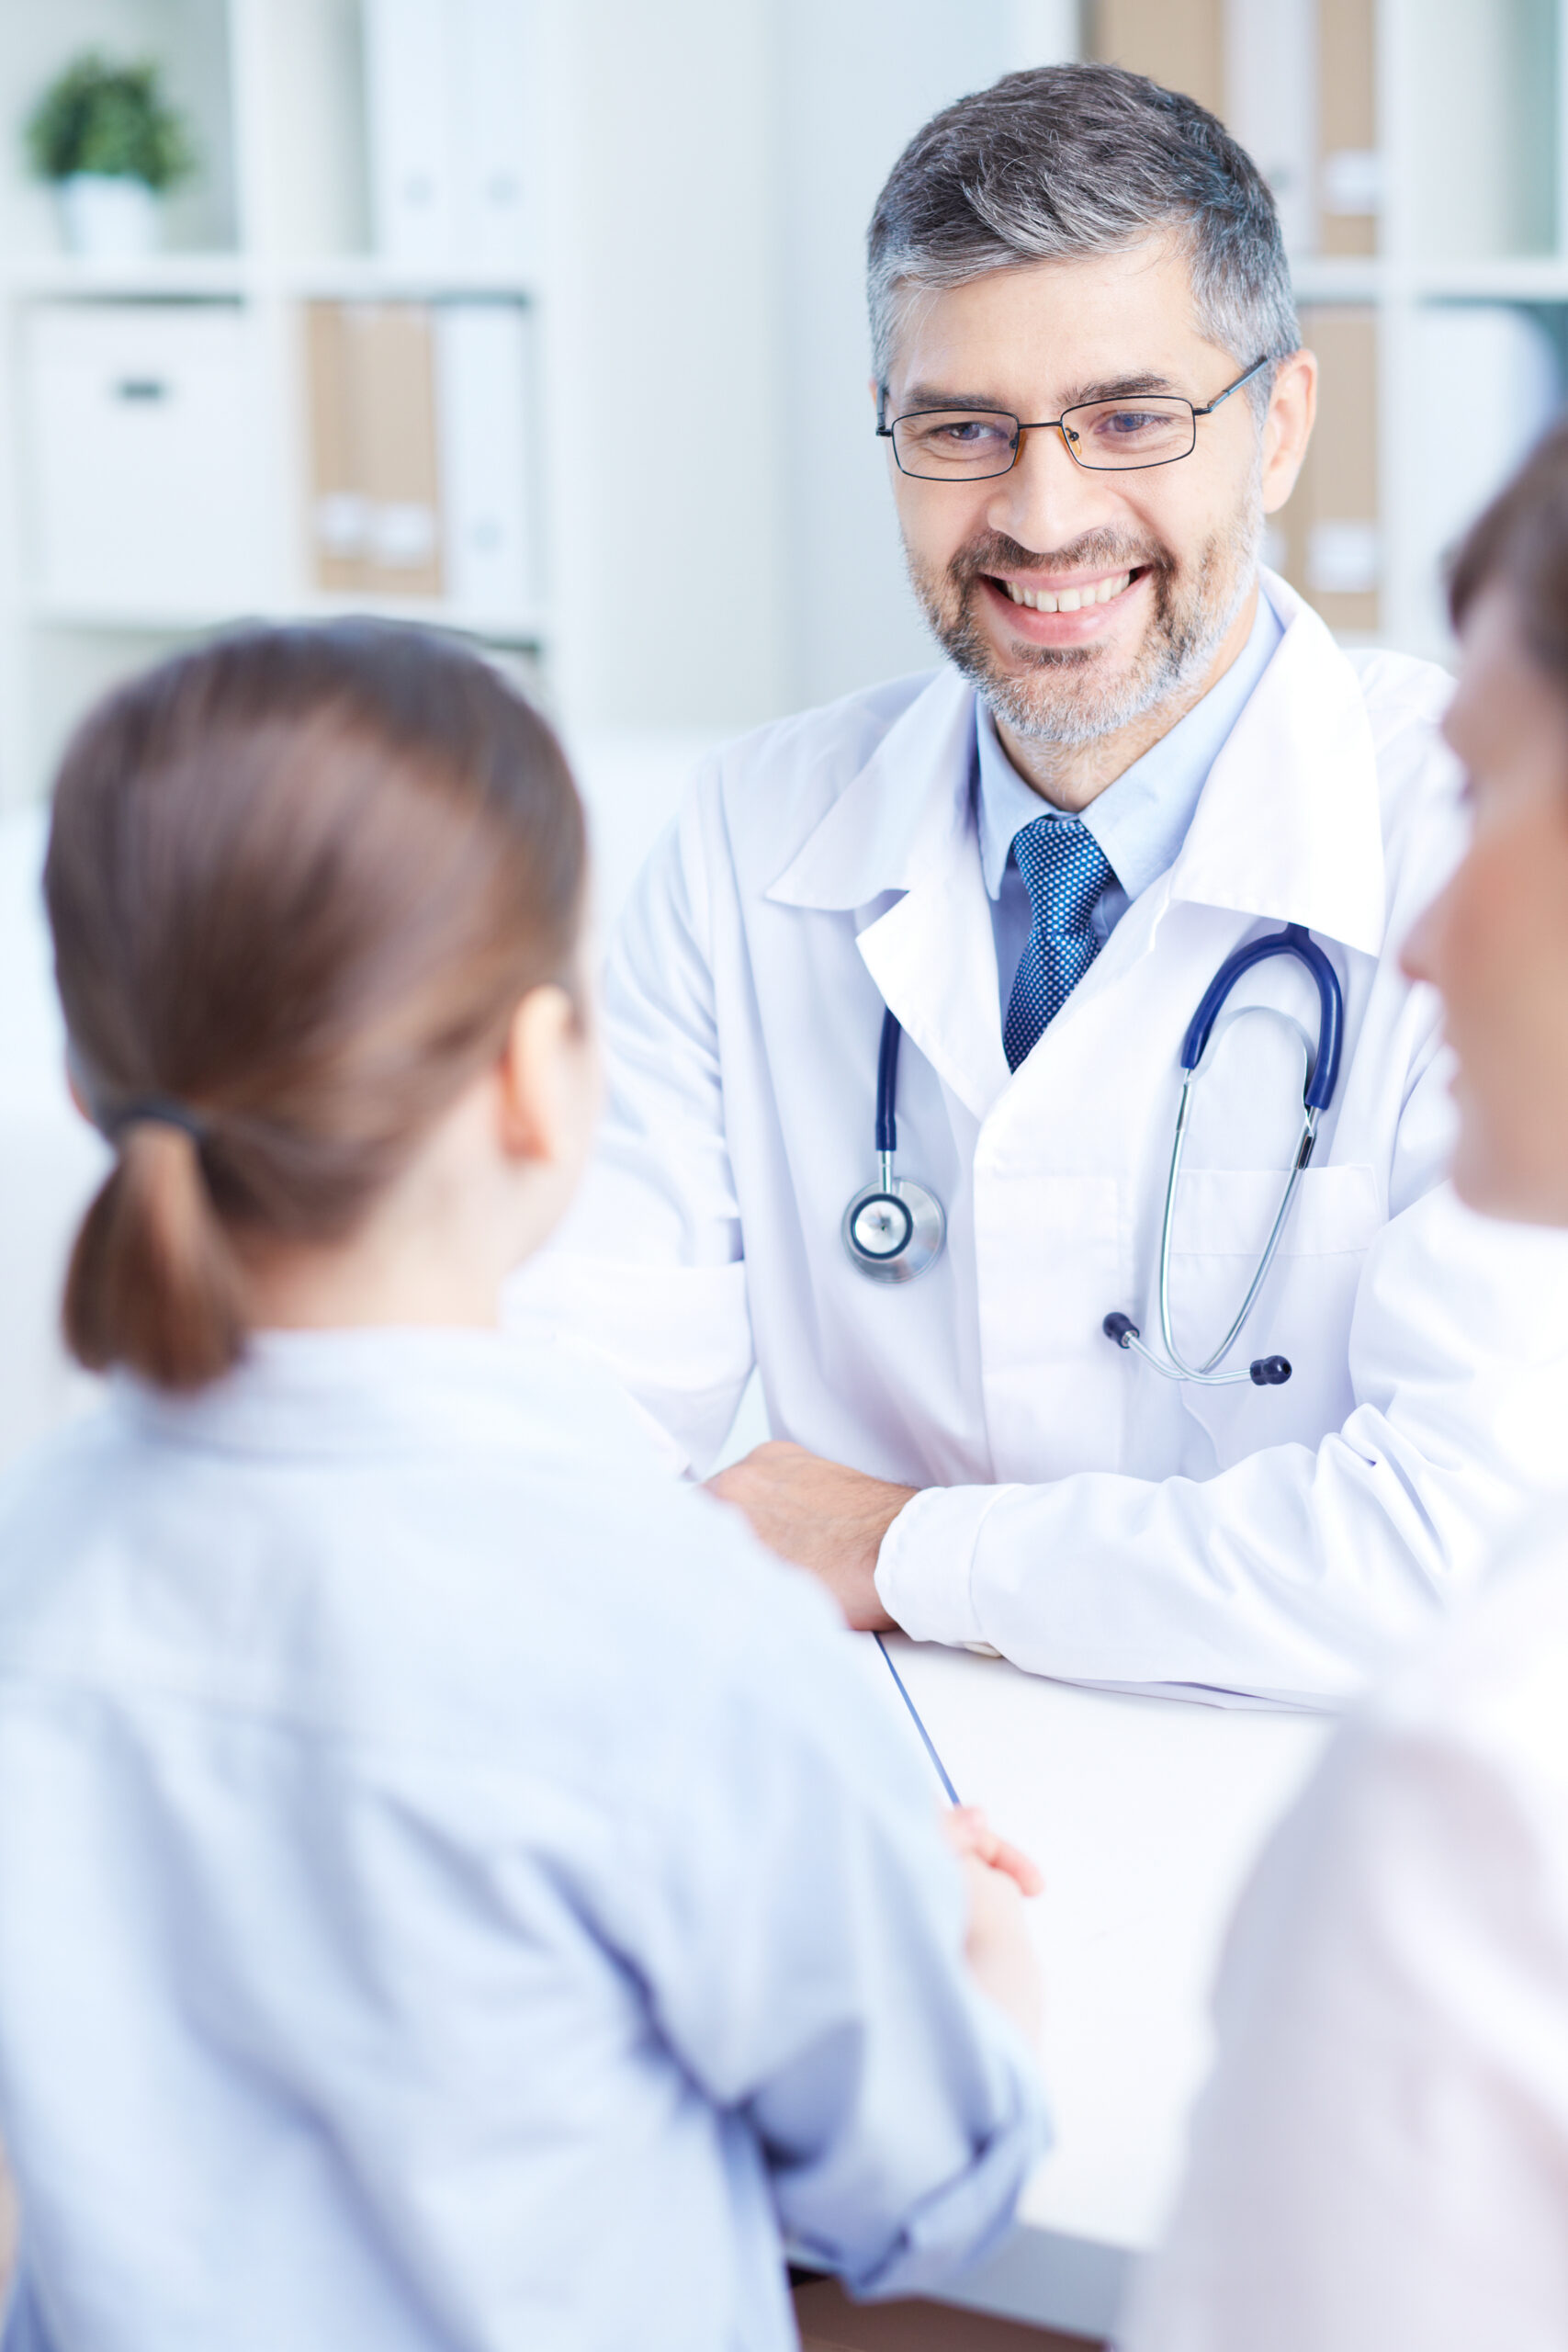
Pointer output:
279, 215
703, 173
1467, 289
1419, 152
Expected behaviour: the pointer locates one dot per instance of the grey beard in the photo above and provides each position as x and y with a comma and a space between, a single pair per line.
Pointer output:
1059, 699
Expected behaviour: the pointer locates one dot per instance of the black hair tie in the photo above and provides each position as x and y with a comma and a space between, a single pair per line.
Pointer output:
154, 1110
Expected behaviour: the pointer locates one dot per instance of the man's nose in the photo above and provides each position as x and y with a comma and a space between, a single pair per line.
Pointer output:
1047, 500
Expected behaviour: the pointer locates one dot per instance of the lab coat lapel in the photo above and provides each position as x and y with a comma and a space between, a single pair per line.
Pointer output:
1290, 825
905, 824
1288, 829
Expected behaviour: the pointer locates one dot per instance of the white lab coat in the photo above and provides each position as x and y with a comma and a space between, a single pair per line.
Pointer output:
1381, 2161
1085, 1517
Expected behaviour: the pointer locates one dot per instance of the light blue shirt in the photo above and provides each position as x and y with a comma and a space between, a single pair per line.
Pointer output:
457, 1891
1140, 821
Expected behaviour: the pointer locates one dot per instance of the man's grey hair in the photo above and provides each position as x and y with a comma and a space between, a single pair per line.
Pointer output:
1070, 160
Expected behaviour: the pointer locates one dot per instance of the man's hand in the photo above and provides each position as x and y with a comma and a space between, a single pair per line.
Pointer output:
823, 1517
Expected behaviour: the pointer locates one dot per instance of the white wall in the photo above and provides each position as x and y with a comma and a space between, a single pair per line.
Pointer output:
855, 82
723, 536
662, 340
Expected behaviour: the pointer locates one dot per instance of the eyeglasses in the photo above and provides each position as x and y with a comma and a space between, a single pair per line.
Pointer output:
1103, 437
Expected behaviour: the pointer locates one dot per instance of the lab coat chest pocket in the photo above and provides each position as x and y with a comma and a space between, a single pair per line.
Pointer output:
1046, 1255
1223, 1221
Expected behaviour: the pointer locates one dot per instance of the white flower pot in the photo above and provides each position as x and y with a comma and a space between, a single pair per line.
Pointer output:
106, 219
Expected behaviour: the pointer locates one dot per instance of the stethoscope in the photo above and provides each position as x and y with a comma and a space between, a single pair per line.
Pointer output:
894, 1230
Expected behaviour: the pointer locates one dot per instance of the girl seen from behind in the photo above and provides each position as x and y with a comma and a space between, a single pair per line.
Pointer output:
455, 1892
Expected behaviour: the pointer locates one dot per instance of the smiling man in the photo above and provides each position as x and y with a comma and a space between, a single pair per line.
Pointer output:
898, 1022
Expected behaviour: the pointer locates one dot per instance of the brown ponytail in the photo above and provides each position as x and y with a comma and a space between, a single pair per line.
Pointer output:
154, 1281
298, 881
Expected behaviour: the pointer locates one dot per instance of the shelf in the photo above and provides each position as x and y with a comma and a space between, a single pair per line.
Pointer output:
1327, 277
493, 629
1506, 277
1520, 277
369, 277
150, 276
238, 276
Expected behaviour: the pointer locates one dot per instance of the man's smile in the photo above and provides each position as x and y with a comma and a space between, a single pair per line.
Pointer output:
1056, 609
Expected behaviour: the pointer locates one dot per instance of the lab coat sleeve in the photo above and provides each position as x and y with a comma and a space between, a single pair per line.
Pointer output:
1299, 1572
647, 1273
1379, 2158
803, 1944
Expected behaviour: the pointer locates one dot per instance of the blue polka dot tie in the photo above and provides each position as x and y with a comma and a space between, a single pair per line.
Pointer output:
1064, 870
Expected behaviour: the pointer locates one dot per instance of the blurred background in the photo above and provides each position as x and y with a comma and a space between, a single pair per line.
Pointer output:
543, 322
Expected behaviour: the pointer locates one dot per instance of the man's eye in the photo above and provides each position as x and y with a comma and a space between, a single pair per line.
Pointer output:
969, 433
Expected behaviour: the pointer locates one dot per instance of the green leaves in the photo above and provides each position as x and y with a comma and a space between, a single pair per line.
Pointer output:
109, 118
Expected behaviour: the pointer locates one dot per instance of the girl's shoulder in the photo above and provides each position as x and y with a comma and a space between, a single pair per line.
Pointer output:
514, 1579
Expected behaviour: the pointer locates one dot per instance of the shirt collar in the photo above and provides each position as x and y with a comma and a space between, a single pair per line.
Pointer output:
408, 1391
1142, 820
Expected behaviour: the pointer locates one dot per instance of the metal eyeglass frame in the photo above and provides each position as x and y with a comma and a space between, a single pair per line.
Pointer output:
888, 432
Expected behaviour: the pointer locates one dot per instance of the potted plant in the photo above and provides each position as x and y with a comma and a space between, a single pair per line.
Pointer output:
108, 140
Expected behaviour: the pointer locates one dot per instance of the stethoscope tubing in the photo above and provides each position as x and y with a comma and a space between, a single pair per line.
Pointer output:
1297, 941
1206, 1370
924, 1222
1320, 1081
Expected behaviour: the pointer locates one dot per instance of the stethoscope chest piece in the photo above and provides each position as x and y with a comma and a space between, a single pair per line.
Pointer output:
894, 1230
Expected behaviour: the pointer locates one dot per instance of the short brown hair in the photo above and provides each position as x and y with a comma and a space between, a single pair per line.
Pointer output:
298, 881
1061, 161
1522, 538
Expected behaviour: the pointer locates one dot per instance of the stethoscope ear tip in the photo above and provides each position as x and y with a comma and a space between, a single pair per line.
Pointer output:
1270, 1371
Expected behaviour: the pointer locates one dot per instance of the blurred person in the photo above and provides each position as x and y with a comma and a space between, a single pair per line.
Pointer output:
1382, 2157
1142, 758
456, 1889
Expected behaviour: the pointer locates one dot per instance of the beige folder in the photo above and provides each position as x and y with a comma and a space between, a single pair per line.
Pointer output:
1178, 42
1182, 43
1347, 126
1330, 524
375, 515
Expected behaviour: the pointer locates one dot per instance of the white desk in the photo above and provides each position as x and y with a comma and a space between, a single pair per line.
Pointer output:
1144, 1815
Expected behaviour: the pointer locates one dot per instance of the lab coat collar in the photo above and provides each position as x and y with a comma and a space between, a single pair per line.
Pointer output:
1289, 826
1288, 829
907, 823
903, 813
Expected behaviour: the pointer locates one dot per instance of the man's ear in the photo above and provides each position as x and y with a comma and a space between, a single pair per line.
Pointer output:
534, 1077
1287, 428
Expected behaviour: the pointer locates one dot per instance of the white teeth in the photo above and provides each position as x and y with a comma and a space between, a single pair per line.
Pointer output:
1068, 600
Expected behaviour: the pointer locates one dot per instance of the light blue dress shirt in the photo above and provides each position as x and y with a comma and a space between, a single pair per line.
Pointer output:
457, 1891
1140, 821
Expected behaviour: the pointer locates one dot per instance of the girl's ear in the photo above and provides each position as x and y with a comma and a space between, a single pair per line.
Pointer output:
539, 1078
